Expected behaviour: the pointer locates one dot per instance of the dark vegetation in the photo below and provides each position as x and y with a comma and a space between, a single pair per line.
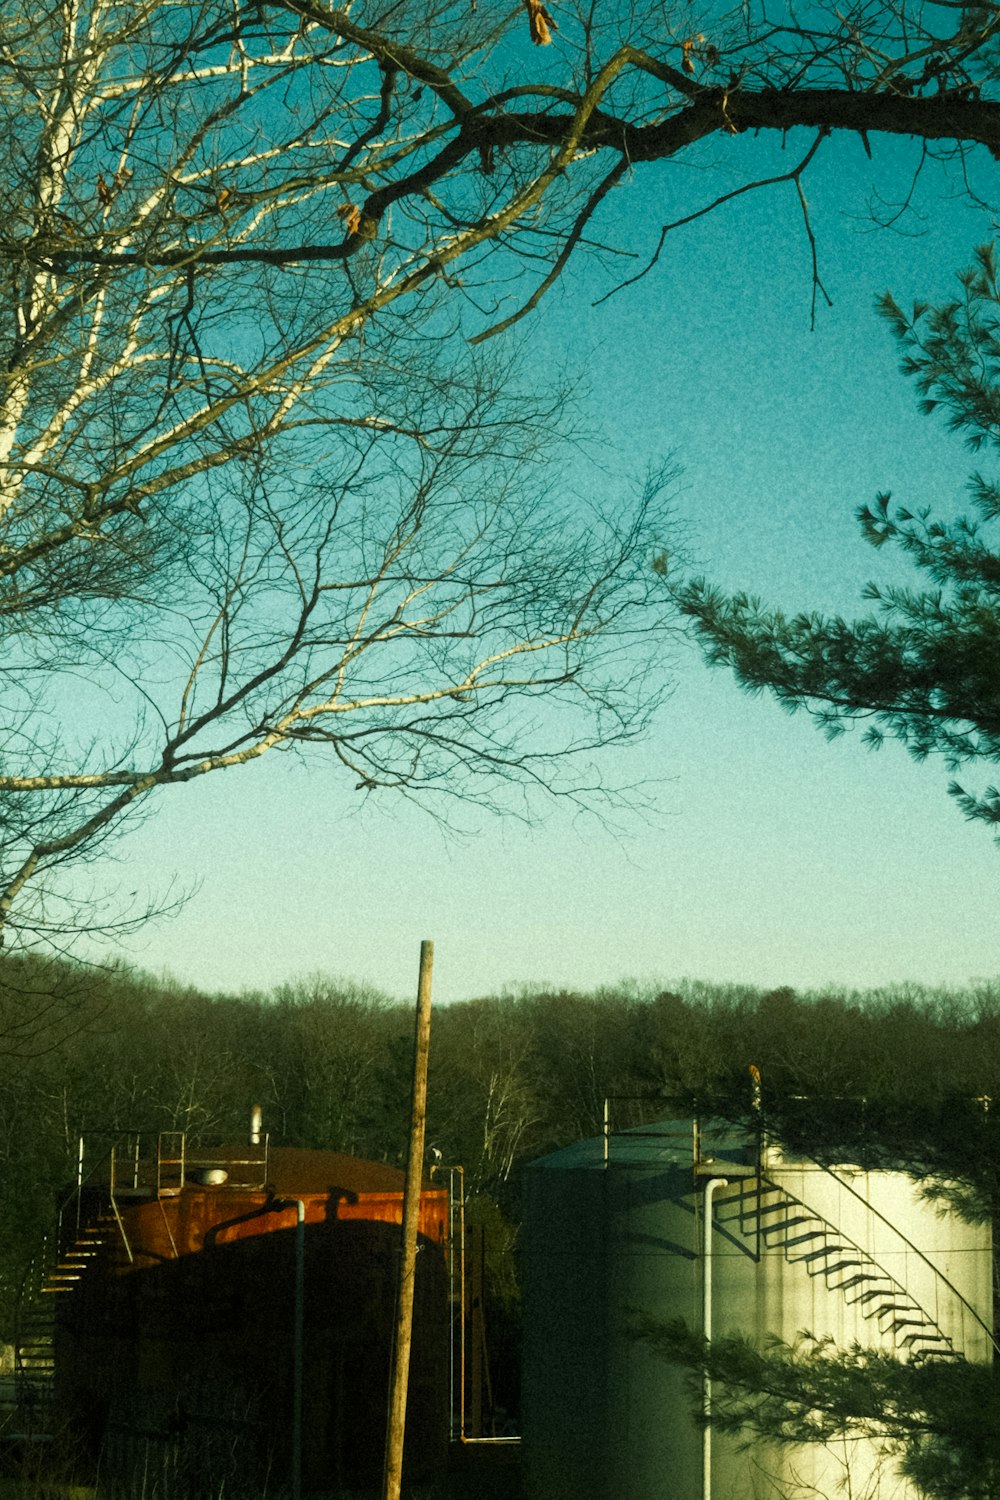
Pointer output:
903, 1077
937, 1420
513, 1076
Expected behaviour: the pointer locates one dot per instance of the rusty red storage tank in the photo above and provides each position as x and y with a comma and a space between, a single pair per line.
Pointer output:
175, 1344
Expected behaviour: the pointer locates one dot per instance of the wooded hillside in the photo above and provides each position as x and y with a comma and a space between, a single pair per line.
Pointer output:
513, 1075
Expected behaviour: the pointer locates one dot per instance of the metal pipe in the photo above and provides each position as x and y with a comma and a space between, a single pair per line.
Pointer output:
461, 1303
297, 1351
451, 1304
451, 1293
706, 1328
79, 1186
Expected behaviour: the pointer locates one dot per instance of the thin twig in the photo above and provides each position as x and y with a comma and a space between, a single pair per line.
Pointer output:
572, 239
700, 213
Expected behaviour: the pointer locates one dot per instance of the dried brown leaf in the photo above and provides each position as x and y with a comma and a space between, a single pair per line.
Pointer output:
541, 23
688, 47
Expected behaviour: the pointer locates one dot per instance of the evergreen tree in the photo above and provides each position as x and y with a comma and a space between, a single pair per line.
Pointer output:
938, 1420
923, 667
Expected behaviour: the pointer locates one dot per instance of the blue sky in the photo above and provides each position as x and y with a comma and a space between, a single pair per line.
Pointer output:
773, 857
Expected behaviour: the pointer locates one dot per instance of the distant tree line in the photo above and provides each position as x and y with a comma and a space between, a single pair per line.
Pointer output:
513, 1075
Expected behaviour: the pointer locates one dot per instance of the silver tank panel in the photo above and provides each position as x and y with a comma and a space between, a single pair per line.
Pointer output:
614, 1230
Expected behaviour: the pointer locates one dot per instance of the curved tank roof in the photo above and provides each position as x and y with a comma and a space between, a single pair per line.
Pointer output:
292, 1170
661, 1143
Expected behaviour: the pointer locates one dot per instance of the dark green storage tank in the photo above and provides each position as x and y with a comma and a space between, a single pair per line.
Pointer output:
614, 1230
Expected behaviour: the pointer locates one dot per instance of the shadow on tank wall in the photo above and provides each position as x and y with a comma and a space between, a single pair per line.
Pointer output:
177, 1377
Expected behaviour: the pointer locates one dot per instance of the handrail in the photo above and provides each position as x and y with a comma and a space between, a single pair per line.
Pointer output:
936, 1270
162, 1160
83, 1179
911, 1246
114, 1208
166, 1225
75, 1193
767, 1185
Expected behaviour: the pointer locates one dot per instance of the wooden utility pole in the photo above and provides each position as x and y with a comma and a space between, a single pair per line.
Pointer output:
393, 1474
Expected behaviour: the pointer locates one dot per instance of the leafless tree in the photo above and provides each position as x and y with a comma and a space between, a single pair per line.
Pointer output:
250, 508
253, 492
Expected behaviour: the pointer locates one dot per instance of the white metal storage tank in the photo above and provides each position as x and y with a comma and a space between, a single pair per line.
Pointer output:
615, 1227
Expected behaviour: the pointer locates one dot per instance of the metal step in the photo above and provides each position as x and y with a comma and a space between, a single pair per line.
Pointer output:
855, 1280
873, 1292
876, 1294
787, 1224
780, 1205
750, 1206
78, 1258
822, 1253
802, 1239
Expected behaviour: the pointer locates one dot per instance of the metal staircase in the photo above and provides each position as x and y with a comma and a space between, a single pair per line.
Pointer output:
57, 1268
77, 1258
768, 1217
34, 1369
93, 1227
29, 1400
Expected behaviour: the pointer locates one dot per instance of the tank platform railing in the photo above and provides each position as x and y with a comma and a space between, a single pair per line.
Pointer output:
726, 1147
171, 1162
143, 1165
710, 1141
690, 1133
158, 1164
176, 1164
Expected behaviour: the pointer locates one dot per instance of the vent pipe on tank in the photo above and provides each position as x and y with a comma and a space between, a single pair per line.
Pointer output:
256, 1121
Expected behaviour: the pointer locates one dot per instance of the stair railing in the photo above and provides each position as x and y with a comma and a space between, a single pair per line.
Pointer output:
112, 1186
914, 1249
938, 1276
893, 1296
71, 1205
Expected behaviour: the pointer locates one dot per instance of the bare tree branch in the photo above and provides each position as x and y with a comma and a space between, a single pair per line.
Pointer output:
255, 491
